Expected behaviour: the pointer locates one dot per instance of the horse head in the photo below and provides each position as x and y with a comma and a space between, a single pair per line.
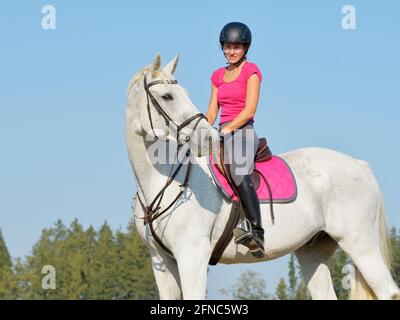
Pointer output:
163, 109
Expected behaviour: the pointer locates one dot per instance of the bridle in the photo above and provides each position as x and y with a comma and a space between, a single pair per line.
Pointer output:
152, 211
165, 115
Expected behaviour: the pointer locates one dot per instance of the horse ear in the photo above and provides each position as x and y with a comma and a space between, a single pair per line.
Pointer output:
171, 66
156, 64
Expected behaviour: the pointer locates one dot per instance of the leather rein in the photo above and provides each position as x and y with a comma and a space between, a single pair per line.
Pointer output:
153, 210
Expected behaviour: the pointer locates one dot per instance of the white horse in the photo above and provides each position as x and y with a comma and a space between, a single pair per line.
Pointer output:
339, 203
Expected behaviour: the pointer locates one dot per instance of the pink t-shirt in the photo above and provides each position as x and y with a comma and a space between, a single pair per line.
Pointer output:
231, 96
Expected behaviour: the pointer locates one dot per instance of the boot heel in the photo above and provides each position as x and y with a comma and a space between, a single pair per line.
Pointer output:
256, 248
258, 254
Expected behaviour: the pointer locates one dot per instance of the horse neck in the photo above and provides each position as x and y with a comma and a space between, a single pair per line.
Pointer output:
140, 163
150, 178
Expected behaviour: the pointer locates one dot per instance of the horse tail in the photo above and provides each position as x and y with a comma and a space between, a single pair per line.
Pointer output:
361, 290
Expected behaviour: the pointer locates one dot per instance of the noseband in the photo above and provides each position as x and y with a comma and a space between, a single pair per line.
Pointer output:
152, 211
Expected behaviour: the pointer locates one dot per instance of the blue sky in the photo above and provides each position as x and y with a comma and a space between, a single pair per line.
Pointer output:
63, 95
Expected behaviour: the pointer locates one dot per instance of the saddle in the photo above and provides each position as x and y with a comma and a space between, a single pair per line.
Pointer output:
263, 154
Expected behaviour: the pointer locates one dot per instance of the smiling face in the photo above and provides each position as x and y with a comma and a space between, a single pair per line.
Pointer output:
233, 51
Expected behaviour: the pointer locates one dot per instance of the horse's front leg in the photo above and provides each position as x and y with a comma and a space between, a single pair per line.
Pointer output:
166, 273
192, 255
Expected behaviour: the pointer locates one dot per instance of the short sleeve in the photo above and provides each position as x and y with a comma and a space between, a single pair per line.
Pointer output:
215, 78
253, 69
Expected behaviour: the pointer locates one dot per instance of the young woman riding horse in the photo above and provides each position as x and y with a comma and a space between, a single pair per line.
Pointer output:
235, 90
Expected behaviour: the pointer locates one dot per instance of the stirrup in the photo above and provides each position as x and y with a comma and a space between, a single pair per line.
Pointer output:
243, 232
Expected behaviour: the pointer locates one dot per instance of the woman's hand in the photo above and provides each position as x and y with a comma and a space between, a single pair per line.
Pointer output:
226, 130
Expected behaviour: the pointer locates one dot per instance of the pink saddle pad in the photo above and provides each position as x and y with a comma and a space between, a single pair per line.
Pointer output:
277, 173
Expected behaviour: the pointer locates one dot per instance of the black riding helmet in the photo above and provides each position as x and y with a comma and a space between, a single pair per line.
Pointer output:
236, 32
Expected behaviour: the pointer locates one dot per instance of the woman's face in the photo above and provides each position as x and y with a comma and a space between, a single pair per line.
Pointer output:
233, 51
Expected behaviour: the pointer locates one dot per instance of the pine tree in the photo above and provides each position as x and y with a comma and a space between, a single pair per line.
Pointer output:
29, 272
250, 286
8, 288
297, 287
103, 284
137, 278
281, 291
292, 277
88, 264
89, 272
394, 241
301, 291
61, 248
339, 260
71, 273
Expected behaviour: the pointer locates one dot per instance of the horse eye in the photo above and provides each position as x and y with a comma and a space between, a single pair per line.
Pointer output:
167, 96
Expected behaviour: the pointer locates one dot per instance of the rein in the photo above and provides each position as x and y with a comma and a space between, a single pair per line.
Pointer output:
153, 210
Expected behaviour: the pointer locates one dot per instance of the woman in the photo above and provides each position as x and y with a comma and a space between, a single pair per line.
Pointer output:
235, 89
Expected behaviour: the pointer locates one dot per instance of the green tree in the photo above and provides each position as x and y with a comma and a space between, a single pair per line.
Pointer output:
301, 291
88, 264
29, 272
338, 261
250, 286
137, 278
297, 287
89, 272
394, 241
292, 277
72, 263
104, 282
50, 250
281, 291
8, 284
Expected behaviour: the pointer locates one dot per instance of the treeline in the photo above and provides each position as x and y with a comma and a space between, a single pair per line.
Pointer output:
102, 264
88, 264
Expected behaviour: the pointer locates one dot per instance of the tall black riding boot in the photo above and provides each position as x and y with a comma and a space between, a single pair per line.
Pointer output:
254, 238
